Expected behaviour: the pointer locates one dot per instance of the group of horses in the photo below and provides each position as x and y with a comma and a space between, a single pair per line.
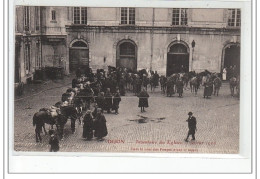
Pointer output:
84, 90
195, 80
71, 106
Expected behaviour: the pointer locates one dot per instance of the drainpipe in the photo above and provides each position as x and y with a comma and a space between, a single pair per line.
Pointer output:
152, 32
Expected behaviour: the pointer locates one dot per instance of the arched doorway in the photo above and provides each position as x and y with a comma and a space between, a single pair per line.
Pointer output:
177, 58
231, 57
78, 56
127, 55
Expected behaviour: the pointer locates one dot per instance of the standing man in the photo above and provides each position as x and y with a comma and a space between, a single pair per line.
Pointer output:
116, 101
143, 100
100, 126
192, 126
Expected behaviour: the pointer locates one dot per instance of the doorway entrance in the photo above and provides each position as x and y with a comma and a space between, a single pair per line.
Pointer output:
78, 56
177, 59
127, 55
231, 57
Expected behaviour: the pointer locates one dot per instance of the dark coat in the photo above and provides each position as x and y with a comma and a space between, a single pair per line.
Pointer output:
156, 79
179, 85
116, 101
143, 99
88, 126
100, 126
54, 142
108, 101
100, 101
170, 88
192, 122
122, 87
208, 88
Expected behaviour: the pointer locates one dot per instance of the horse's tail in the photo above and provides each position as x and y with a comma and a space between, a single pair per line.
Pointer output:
34, 119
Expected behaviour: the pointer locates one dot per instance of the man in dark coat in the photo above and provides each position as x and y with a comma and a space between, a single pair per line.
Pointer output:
101, 100
208, 87
108, 101
156, 79
192, 126
122, 86
54, 142
179, 85
100, 125
143, 100
88, 126
116, 101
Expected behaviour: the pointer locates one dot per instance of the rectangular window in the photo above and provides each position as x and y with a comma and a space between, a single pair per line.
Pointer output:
26, 18
37, 18
53, 15
234, 17
27, 58
127, 15
80, 15
38, 62
179, 16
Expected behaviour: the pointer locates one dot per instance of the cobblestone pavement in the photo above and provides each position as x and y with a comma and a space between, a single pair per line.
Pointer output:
164, 130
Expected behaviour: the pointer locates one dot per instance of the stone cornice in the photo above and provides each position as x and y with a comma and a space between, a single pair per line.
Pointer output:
159, 30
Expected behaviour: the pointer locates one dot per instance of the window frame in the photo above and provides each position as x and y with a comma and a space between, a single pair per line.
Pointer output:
180, 17
128, 16
26, 18
53, 16
37, 18
27, 58
235, 18
80, 16
38, 61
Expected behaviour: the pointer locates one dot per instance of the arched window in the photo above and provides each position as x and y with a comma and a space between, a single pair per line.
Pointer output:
178, 48
79, 44
127, 49
127, 55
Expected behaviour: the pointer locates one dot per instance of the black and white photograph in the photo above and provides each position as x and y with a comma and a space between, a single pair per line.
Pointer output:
122, 79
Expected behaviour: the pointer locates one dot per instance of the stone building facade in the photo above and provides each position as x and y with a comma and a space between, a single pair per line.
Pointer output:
167, 40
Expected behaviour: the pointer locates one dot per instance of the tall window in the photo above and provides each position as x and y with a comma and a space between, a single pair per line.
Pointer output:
234, 17
26, 18
127, 15
38, 62
53, 15
37, 18
80, 15
27, 59
179, 16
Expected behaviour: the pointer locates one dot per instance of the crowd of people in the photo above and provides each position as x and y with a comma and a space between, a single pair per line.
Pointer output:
101, 92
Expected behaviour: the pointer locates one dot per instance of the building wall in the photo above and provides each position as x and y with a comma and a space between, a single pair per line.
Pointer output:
207, 53
152, 33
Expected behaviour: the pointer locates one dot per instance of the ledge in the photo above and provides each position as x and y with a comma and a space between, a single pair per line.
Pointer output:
134, 29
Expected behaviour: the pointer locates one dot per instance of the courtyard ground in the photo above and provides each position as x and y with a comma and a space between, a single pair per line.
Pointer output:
164, 130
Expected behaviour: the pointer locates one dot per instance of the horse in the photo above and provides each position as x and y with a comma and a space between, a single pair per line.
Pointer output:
152, 82
217, 84
186, 79
163, 81
194, 84
233, 82
44, 117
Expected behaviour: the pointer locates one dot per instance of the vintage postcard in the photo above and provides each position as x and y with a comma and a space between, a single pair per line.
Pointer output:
129, 79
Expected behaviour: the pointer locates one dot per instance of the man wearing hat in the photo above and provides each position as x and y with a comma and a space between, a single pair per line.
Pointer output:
88, 126
192, 126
